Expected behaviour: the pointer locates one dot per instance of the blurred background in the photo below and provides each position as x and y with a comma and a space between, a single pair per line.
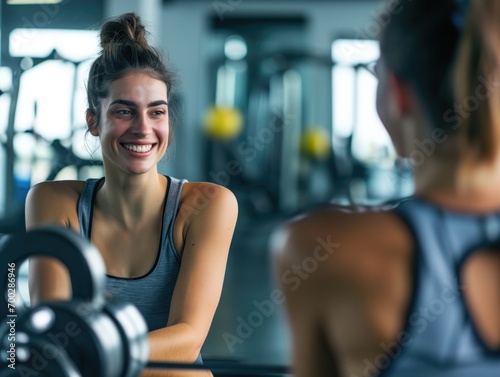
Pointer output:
276, 101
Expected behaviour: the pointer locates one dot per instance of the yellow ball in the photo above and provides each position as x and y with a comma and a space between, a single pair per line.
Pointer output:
315, 143
222, 123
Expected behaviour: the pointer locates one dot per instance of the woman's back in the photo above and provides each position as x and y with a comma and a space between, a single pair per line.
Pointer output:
451, 327
389, 295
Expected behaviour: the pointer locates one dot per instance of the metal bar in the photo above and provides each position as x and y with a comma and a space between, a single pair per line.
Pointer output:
10, 183
226, 368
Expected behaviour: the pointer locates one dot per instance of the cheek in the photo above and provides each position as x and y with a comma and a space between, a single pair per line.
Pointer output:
381, 103
167, 132
391, 126
382, 110
108, 134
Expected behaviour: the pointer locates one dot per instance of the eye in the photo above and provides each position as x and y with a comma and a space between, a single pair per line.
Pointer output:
158, 112
123, 112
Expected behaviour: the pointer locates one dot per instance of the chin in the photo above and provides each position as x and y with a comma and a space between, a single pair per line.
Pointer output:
138, 170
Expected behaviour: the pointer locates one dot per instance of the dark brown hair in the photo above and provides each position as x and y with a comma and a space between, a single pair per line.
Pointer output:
446, 52
125, 49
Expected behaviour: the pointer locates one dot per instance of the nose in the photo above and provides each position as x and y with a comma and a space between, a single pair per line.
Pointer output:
141, 125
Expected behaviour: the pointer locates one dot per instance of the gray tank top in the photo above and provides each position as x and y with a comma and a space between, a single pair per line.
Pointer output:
440, 339
150, 293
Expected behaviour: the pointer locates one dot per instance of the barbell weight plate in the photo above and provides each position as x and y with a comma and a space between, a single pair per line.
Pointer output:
134, 333
91, 337
83, 261
40, 362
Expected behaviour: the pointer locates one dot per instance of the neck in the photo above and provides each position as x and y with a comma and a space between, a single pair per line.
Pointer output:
459, 183
435, 174
129, 198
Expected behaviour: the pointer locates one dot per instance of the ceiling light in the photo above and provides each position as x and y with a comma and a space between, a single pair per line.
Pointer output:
31, 2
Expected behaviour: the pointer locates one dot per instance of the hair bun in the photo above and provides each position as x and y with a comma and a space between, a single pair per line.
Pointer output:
126, 29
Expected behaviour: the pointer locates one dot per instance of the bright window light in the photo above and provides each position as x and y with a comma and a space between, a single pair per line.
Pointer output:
371, 140
353, 51
44, 104
343, 100
354, 99
52, 98
75, 45
5, 85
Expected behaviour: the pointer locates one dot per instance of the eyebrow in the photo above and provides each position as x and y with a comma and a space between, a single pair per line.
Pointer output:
133, 104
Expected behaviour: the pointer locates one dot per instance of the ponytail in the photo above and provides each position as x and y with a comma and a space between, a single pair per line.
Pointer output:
476, 77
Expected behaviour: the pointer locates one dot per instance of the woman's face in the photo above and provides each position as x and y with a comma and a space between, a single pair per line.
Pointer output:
134, 127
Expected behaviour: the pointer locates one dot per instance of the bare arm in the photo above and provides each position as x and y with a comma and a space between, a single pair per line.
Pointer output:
199, 285
312, 353
344, 276
46, 204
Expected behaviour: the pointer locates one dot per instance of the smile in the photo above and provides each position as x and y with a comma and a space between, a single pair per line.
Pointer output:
138, 148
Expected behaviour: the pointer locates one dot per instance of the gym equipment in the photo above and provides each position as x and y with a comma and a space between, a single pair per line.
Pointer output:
315, 143
222, 123
63, 156
63, 153
272, 93
91, 335
227, 369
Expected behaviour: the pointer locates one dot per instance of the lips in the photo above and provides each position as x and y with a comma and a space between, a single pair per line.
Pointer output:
143, 148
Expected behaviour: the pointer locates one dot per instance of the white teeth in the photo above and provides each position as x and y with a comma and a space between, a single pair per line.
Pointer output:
138, 148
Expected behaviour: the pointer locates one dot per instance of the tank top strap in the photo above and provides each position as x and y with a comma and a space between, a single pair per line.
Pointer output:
85, 205
447, 236
170, 213
431, 237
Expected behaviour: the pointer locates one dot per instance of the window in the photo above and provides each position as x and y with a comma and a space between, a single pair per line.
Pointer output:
51, 95
353, 100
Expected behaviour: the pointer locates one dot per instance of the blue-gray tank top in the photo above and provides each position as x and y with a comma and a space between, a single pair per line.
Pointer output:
440, 338
152, 292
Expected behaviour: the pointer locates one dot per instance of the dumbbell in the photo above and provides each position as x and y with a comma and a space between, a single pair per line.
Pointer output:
60, 366
93, 334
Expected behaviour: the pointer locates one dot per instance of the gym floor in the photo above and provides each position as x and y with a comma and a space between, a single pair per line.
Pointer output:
248, 327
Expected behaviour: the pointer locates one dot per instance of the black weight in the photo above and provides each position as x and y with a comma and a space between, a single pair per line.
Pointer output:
83, 261
35, 364
107, 338
103, 342
89, 337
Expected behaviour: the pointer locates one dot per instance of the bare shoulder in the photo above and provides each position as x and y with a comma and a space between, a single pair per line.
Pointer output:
53, 202
65, 188
206, 197
370, 234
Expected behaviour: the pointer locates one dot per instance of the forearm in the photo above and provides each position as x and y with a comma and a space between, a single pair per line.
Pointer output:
178, 343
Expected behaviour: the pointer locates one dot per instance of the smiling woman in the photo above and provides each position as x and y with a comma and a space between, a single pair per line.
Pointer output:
160, 254
134, 123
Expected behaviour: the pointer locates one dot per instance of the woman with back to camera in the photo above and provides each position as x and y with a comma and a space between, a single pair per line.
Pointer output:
164, 251
413, 290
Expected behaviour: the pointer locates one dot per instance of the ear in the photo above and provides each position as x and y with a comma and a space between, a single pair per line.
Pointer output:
91, 122
401, 96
